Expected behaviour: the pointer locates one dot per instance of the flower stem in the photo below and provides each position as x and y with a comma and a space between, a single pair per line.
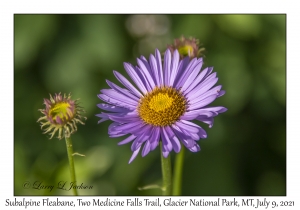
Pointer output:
71, 163
178, 172
166, 174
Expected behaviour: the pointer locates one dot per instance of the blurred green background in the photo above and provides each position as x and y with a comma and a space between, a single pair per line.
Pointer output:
245, 152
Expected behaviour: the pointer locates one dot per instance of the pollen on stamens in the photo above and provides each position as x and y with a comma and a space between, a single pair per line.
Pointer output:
163, 106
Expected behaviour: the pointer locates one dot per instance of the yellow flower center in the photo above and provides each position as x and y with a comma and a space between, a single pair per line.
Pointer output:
185, 50
160, 102
162, 107
60, 109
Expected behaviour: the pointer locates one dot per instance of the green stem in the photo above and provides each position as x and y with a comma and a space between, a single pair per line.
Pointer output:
178, 172
71, 163
166, 173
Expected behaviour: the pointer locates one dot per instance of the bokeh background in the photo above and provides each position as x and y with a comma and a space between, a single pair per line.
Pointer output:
245, 152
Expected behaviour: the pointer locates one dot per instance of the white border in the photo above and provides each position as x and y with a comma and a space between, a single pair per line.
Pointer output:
8, 8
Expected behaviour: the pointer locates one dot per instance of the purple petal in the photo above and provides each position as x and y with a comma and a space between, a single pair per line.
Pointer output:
124, 118
183, 72
165, 153
131, 71
154, 70
181, 69
121, 90
174, 68
207, 120
143, 58
127, 84
167, 67
113, 132
116, 102
186, 125
126, 126
188, 143
190, 115
112, 129
203, 102
144, 136
169, 132
190, 123
174, 140
118, 96
218, 109
146, 149
112, 108
134, 154
221, 93
165, 140
159, 67
104, 117
201, 95
193, 65
117, 135
195, 148
205, 113
204, 86
102, 120
198, 79
143, 78
192, 76
154, 139
144, 67
189, 129
127, 140
146, 128
185, 139
136, 129
195, 136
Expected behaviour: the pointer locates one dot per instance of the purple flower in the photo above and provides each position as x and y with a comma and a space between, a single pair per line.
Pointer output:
162, 106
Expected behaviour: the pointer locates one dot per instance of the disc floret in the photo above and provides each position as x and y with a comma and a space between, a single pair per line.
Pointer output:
163, 106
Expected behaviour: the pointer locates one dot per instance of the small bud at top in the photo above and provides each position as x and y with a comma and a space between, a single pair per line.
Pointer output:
187, 47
